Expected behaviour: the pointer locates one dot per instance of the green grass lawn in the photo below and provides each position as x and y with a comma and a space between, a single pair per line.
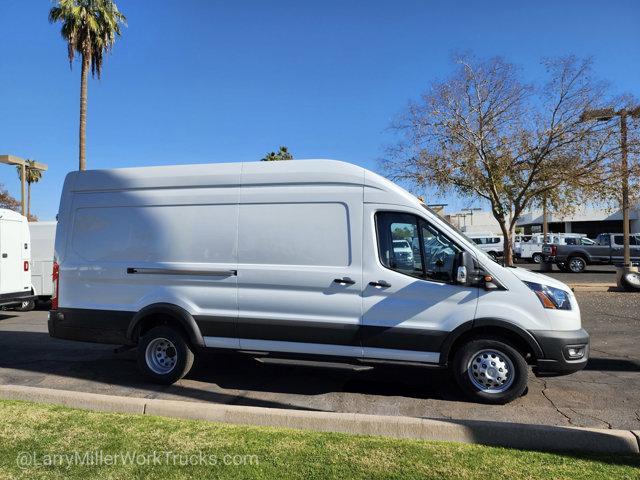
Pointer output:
212, 450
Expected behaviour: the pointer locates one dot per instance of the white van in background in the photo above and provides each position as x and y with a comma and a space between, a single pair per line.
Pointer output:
297, 259
43, 236
15, 257
491, 244
531, 248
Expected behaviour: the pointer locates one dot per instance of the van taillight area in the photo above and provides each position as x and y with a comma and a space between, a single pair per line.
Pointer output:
56, 278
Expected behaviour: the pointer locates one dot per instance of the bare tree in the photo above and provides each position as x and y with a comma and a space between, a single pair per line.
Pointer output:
483, 133
7, 201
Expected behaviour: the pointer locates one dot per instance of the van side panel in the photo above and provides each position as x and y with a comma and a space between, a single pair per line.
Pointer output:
126, 249
42, 245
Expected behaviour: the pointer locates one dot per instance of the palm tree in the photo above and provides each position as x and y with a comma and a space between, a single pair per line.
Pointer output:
90, 28
31, 175
282, 154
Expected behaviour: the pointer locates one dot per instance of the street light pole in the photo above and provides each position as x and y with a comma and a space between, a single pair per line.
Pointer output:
23, 178
606, 114
625, 188
22, 163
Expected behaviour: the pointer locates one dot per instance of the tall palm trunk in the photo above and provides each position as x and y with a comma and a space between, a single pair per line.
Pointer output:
28, 199
84, 77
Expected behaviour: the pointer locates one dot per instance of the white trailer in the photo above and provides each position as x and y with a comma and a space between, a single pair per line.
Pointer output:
43, 236
15, 258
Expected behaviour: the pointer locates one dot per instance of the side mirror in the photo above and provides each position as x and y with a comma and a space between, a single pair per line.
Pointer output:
466, 266
461, 275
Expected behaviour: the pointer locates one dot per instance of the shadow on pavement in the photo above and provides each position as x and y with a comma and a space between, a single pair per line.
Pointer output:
613, 365
36, 352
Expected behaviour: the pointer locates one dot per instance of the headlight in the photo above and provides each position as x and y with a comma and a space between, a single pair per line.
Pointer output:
550, 297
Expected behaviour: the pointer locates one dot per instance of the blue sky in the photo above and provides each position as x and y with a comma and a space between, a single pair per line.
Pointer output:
196, 81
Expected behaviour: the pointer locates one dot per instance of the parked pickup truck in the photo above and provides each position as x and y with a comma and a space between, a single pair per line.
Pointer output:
606, 250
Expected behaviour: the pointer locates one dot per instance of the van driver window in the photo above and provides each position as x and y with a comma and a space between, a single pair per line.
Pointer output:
413, 247
439, 254
398, 243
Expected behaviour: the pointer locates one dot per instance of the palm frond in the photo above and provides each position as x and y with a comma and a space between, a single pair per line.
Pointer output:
90, 28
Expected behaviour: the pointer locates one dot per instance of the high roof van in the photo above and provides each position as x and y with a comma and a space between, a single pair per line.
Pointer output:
307, 258
15, 257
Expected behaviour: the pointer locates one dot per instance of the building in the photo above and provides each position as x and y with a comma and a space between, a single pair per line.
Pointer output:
473, 220
590, 221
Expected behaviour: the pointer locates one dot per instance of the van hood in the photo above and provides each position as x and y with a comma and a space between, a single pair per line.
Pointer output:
529, 276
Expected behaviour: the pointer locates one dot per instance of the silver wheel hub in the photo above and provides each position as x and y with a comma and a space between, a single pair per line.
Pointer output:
161, 356
575, 265
491, 371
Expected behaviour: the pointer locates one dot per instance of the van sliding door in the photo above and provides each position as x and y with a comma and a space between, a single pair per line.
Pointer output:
299, 268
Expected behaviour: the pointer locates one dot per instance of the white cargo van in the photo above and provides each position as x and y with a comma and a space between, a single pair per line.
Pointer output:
491, 244
42, 241
15, 257
297, 259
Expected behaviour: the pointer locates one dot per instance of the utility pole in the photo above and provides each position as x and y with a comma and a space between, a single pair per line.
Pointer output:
625, 188
545, 221
604, 115
544, 265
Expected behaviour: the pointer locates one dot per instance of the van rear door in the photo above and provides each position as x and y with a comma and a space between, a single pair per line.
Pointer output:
12, 276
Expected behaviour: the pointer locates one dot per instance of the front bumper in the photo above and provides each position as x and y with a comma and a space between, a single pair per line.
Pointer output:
556, 346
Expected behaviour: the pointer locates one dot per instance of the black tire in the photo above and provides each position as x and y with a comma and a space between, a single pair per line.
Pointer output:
536, 258
631, 282
506, 356
26, 306
177, 353
576, 264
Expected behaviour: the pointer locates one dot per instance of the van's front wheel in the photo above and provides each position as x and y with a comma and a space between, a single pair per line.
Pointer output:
164, 355
490, 371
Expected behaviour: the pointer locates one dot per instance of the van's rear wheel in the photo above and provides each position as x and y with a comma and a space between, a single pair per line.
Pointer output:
164, 355
537, 258
490, 371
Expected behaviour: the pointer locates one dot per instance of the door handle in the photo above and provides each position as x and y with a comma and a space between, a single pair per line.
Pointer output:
4, 255
381, 283
343, 281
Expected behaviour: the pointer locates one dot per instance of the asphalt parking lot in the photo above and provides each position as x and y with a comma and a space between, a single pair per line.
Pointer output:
605, 395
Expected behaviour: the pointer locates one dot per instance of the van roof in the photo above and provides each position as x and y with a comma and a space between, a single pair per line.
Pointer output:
301, 172
7, 214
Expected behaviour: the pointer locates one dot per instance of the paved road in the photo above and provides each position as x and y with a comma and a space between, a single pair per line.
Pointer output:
593, 274
606, 394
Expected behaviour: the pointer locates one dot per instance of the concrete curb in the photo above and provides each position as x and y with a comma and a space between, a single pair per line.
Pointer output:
593, 287
512, 435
